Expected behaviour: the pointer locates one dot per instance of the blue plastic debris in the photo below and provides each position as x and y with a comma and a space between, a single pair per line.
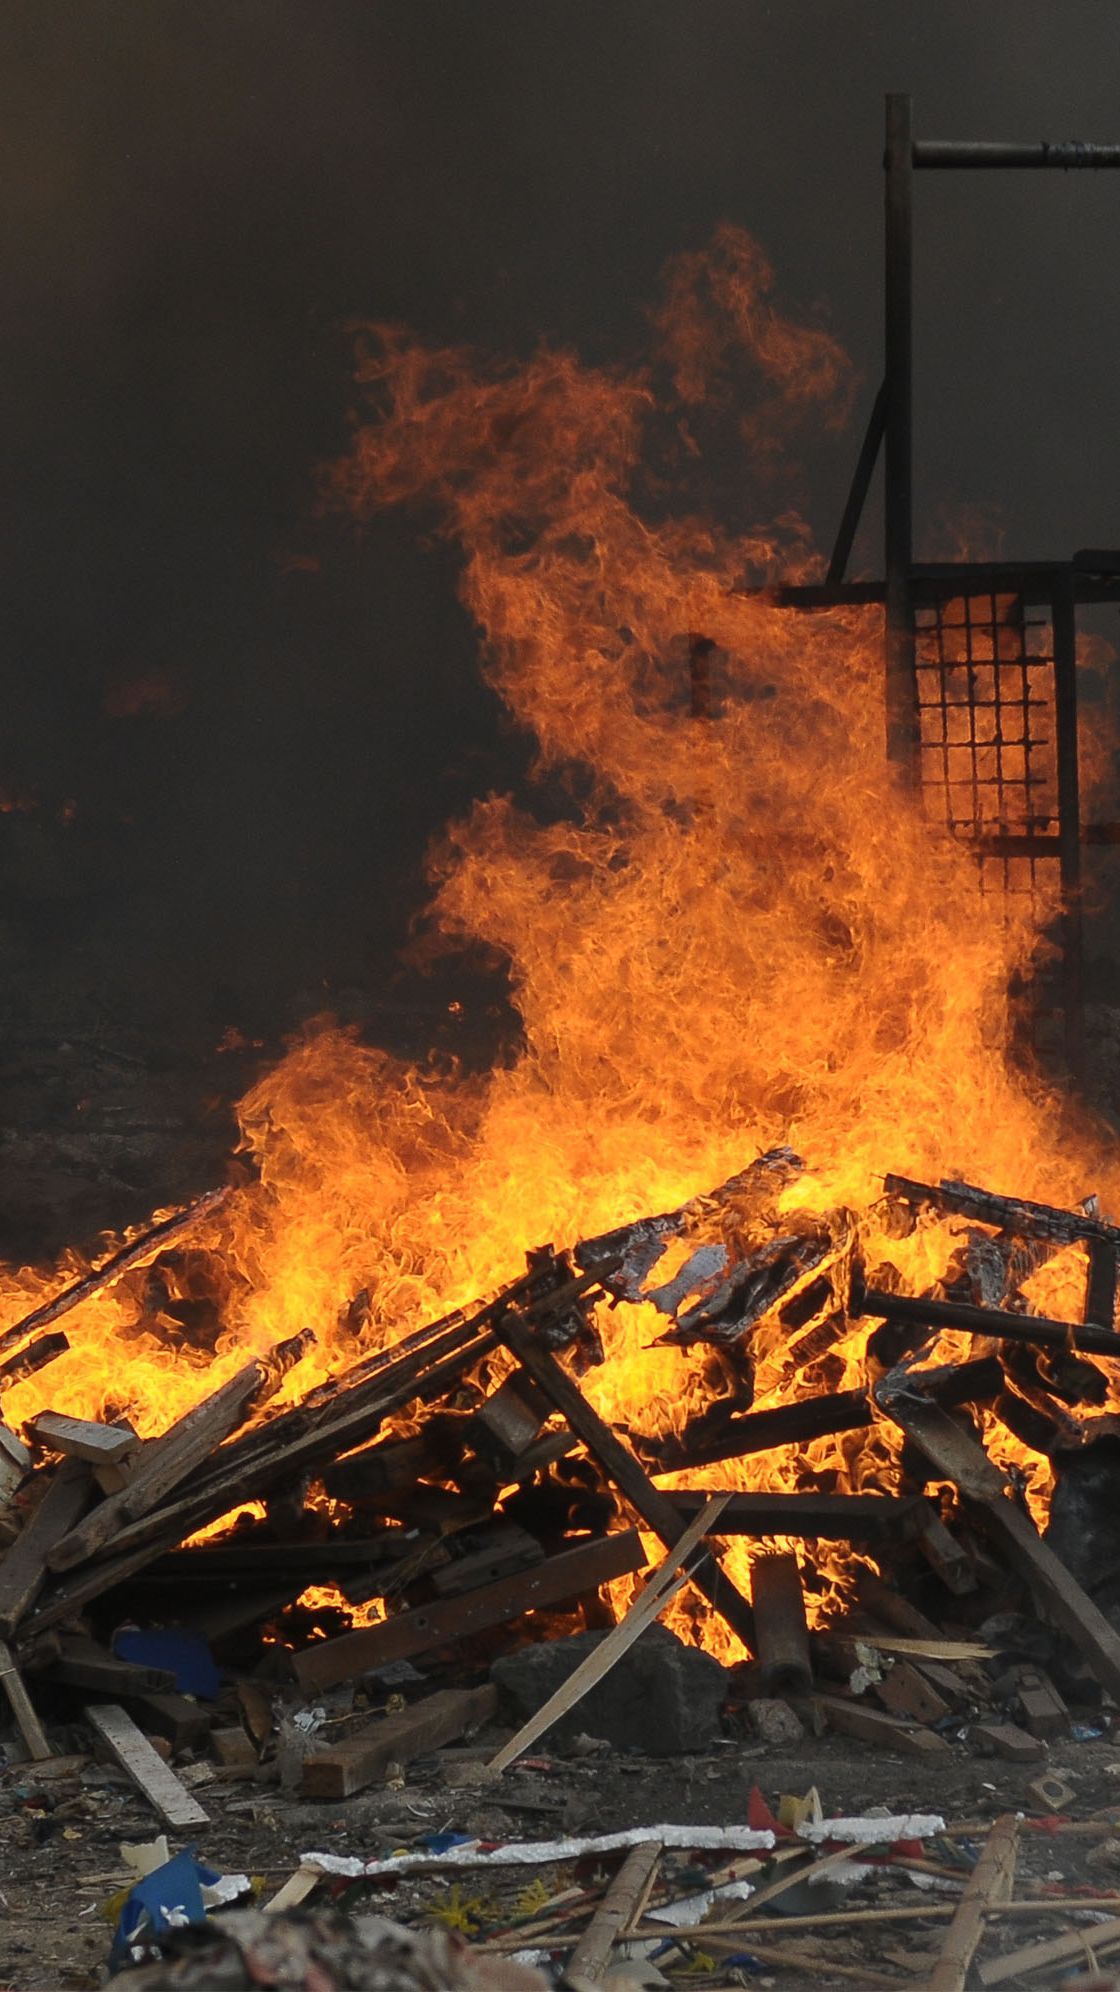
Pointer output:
441, 1843
166, 1899
1087, 1732
184, 1654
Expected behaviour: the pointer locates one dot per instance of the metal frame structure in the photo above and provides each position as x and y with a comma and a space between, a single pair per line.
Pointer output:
979, 657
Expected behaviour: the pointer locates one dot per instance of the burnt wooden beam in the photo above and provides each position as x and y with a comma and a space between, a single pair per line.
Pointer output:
1100, 1293
959, 1457
427, 1627
781, 1630
825, 1517
621, 1467
356, 1762
151, 1241
82, 1438
1016, 1214
1036, 1329
975, 1382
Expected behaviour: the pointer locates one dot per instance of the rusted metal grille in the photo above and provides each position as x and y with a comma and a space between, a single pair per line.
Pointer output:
985, 674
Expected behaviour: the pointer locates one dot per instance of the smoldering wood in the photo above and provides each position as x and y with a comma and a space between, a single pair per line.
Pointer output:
1016, 1214
1035, 1329
148, 1243
752, 1287
808, 1418
877, 1518
623, 1258
427, 1627
961, 1459
28, 1361
781, 1630
1100, 1286
621, 1467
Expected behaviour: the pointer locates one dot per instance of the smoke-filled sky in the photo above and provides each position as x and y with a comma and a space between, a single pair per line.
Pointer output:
256, 719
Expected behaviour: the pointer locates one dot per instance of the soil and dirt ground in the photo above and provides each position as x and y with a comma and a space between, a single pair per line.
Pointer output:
62, 1838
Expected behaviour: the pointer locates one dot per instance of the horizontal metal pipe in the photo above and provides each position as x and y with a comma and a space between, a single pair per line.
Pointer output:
953, 152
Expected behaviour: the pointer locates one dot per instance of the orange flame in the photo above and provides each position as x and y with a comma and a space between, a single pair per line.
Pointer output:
735, 932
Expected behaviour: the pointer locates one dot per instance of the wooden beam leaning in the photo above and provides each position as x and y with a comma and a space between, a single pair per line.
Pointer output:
19, 1701
651, 1601
960, 1458
425, 1627
23, 1567
620, 1466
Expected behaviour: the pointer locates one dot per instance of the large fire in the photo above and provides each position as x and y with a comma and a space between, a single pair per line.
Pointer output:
735, 930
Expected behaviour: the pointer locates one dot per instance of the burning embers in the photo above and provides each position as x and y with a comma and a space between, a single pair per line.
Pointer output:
463, 1478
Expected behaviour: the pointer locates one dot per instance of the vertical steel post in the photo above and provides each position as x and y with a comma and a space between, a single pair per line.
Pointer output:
1069, 818
901, 695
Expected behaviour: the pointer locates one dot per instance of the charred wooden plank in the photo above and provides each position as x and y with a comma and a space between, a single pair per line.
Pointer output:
23, 1567
1036, 1329
828, 1517
1029, 1220
429, 1626
975, 1382
151, 1241
621, 1467
1100, 1292
355, 1763
961, 1459
84, 1664
781, 1630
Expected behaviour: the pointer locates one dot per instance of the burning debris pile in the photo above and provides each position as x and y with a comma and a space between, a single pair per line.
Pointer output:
459, 1487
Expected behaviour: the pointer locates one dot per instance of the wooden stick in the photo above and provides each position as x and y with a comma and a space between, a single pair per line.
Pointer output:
661, 1588
1038, 1330
911, 1912
620, 1466
830, 1517
1033, 1957
154, 1779
591, 1956
1015, 1214
19, 1701
991, 1881
151, 1241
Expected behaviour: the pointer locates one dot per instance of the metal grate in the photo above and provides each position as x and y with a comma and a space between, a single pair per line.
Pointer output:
988, 728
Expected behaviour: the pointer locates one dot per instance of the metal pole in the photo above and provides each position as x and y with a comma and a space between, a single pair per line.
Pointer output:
1063, 158
901, 704
1069, 819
